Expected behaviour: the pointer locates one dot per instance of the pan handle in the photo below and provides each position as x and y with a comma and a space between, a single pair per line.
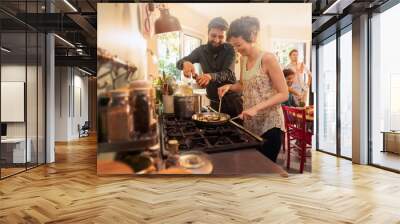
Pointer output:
235, 118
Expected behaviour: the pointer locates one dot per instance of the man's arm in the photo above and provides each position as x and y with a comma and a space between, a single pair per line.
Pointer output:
193, 57
227, 74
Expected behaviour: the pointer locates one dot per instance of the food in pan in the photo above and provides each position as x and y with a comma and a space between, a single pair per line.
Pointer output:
211, 117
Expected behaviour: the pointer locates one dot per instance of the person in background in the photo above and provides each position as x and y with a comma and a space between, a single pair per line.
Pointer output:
263, 86
290, 76
302, 81
217, 60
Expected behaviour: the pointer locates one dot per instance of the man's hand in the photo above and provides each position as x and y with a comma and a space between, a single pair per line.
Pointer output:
188, 69
203, 80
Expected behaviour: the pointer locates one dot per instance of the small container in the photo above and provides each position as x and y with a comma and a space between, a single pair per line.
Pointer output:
119, 117
172, 154
102, 117
168, 103
142, 98
142, 113
173, 146
172, 161
154, 153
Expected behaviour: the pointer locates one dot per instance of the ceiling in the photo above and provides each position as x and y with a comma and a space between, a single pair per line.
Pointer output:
293, 14
80, 27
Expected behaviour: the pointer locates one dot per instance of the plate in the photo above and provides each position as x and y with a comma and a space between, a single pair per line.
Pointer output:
195, 161
191, 161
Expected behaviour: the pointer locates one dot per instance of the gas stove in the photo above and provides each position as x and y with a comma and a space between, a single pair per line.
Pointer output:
227, 137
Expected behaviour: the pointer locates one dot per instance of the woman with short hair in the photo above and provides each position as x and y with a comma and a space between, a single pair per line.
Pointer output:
262, 84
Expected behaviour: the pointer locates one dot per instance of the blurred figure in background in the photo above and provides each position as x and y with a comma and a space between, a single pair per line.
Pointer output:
302, 80
290, 76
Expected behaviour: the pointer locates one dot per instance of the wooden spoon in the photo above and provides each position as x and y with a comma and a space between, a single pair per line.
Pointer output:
219, 108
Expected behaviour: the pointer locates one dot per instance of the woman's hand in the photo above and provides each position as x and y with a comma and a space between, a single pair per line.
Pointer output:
249, 113
223, 90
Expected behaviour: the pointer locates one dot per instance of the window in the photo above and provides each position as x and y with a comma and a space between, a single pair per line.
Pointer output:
189, 44
346, 94
385, 86
168, 50
173, 46
327, 96
22, 65
282, 48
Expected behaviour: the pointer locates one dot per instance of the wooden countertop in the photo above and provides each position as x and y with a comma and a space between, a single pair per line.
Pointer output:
239, 162
248, 161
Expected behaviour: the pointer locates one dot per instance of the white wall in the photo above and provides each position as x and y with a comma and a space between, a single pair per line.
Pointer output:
67, 115
192, 22
287, 33
61, 103
33, 127
12, 73
118, 33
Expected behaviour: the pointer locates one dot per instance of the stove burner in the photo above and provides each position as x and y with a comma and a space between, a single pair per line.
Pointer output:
188, 129
207, 139
173, 132
236, 138
218, 140
183, 147
197, 143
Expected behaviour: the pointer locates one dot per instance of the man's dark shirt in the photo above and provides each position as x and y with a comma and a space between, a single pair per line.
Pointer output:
220, 65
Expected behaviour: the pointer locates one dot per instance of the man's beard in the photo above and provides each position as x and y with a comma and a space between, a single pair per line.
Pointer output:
213, 48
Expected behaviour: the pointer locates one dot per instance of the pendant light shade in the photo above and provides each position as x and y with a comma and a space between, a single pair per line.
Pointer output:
166, 23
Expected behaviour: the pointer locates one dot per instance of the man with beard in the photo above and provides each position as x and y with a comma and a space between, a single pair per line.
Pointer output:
217, 61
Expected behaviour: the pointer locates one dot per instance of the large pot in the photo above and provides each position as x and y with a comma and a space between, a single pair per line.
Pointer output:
186, 106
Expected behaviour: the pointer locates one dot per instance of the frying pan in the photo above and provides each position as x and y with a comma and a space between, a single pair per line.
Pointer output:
223, 118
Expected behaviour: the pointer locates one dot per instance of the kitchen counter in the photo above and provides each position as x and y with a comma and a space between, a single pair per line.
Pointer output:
239, 161
235, 153
245, 161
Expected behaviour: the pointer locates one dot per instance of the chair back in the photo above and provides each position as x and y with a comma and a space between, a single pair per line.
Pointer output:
296, 123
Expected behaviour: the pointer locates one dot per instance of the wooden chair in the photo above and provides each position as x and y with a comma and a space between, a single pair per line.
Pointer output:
297, 132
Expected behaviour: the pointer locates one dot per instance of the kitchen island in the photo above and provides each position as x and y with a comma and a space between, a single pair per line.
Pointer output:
231, 149
243, 162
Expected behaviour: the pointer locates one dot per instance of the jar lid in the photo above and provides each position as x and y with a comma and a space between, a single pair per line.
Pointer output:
173, 142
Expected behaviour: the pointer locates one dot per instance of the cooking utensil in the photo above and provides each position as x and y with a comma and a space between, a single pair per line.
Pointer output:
212, 118
186, 106
220, 102
193, 82
168, 104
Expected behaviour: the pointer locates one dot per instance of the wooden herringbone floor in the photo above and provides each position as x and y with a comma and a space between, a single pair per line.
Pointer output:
70, 192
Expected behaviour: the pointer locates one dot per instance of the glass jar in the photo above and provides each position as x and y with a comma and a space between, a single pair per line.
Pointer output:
102, 117
173, 154
173, 146
141, 110
119, 117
